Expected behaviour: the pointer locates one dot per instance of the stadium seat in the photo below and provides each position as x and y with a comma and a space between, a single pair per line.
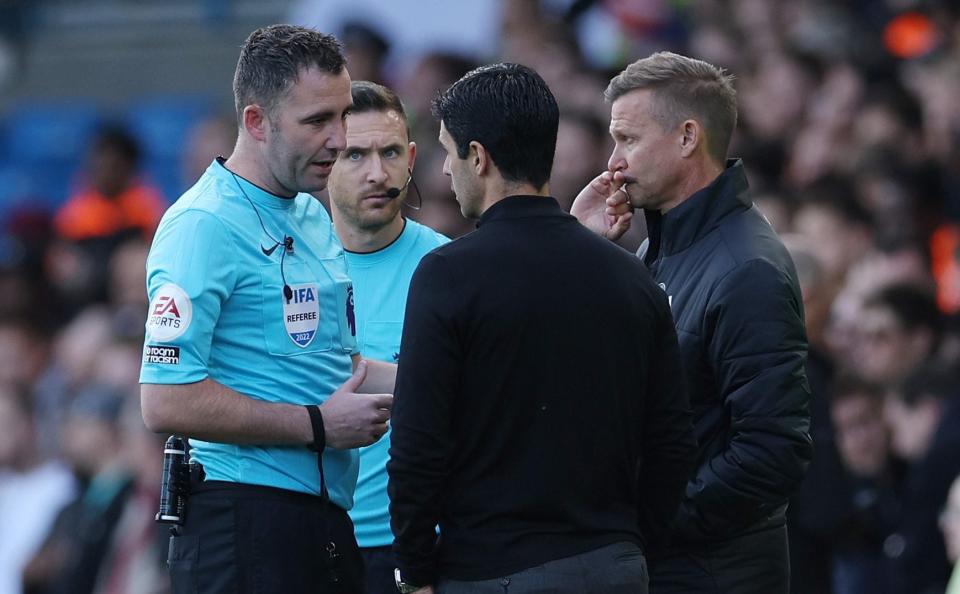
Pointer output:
161, 124
49, 134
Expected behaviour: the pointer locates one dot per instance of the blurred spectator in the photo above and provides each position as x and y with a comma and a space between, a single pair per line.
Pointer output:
70, 558
135, 560
115, 201
126, 286
899, 327
412, 29
433, 73
32, 490
868, 493
115, 206
924, 417
24, 351
835, 223
366, 51
814, 514
945, 265
206, 140
75, 352
582, 151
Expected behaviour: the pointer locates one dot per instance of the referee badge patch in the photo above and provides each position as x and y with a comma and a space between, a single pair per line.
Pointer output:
301, 314
170, 313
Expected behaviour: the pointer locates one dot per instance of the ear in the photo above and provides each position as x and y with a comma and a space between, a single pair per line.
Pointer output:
691, 137
255, 121
479, 158
411, 156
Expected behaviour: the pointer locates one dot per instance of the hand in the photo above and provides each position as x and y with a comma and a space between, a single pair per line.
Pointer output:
424, 590
352, 420
603, 208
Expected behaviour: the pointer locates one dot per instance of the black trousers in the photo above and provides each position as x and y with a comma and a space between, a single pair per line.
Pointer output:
756, 563
614, 569
379, 563
247, 539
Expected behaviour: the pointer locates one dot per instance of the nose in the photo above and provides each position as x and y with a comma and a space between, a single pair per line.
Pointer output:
338, 136
616, 162
446, 166
377, 174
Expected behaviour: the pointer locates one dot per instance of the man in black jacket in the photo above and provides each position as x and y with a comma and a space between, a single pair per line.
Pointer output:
548, 441
739, 317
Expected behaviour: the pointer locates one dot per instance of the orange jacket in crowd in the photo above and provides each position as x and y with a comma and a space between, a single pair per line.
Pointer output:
89, 214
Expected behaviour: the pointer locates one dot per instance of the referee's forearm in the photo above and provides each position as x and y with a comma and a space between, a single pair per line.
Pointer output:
210, 411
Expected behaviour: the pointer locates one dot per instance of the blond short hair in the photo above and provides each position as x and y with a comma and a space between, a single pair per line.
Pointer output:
684, 88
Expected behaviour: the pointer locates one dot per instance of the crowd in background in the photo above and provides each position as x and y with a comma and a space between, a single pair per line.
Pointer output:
850, 132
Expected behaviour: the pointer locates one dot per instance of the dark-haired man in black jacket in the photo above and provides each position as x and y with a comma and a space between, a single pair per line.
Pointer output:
548, 441
738, 312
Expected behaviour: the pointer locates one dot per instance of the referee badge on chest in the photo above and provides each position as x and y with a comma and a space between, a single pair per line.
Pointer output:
301, 313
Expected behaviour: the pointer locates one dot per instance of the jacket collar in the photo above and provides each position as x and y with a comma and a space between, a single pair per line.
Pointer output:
521, 207
699, 214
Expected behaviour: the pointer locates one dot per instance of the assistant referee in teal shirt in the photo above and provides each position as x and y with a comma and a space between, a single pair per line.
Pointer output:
382, 249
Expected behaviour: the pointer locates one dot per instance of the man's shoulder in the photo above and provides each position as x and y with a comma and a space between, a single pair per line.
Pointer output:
310, 209
207, 197
581, 241
750, 241
462, 246
425, 236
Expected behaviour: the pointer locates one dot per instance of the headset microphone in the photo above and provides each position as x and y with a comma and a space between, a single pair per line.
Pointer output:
394, 192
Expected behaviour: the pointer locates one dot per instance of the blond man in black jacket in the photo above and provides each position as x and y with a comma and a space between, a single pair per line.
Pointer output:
738, 312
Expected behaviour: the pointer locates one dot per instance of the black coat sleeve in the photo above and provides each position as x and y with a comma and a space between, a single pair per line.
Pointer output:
427, 379
757, 350
669, 450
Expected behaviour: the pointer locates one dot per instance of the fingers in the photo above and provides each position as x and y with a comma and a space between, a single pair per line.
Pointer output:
380, 416
603, 182
618, 204
384, 401
380, 430
620, 226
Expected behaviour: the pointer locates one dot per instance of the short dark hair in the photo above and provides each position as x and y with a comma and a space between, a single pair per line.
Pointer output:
684, 88
913, 306
113, 137
933, 379
271, 60
509, 110
838, 195
369, 96
848, 385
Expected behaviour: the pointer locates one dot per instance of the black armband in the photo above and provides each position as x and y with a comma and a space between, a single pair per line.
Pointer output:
319, 433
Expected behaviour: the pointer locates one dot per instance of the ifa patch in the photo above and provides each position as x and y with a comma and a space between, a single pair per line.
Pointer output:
170, 313
161, 355
301, 314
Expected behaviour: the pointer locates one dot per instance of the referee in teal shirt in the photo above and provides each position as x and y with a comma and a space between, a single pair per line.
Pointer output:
382, 250
250, 346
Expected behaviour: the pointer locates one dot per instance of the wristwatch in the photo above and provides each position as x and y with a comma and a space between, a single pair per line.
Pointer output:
403, 587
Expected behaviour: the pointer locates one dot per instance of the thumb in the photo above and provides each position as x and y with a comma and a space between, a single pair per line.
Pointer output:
357, 378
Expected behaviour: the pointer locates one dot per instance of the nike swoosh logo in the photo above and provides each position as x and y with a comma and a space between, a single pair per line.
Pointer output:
269, 252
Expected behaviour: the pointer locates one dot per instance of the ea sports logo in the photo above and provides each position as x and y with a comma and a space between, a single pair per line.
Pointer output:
170, 313
165, 305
